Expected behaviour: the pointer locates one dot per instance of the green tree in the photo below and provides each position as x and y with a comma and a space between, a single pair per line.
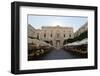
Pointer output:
78, 38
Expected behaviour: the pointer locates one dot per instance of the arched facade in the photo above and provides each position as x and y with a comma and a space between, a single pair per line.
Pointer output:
54, 34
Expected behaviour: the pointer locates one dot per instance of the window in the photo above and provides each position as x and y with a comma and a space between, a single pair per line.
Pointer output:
64, 35
45, 35
51, 35
37, 36
69, 35
57, 35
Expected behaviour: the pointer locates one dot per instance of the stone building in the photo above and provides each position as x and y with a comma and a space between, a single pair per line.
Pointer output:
54, 35
31, 31
81, 29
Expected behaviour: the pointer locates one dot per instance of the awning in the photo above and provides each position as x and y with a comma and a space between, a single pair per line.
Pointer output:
38, 42
84, 41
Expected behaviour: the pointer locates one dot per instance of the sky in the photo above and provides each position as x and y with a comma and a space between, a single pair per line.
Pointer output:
65, 21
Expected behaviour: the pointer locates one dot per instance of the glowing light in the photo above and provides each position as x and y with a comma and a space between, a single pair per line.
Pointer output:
56, 23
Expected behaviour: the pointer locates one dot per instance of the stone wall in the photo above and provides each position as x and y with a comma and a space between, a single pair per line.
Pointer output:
81, 29
55, 35
31, 31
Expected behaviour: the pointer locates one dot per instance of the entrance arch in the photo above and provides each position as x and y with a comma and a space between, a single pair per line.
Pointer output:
57, 43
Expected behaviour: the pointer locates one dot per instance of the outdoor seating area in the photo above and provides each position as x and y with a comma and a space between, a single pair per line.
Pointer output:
78, 47
37, 48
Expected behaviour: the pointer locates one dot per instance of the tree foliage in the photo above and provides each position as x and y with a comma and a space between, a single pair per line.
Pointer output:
78, 38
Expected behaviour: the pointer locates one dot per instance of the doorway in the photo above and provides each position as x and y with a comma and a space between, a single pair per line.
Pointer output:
57, 43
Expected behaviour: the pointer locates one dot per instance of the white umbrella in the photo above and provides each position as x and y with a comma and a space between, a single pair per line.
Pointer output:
37, 42
75, 43
71, 44
84, 41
